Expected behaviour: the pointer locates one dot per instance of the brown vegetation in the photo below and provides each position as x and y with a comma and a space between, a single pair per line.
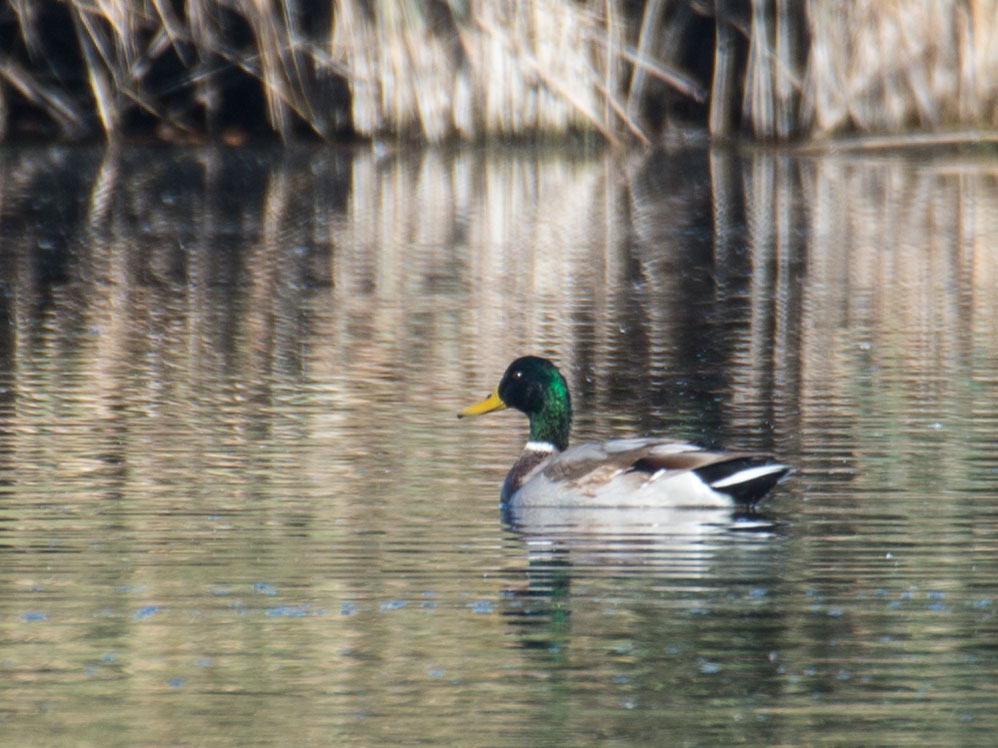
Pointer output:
435, 69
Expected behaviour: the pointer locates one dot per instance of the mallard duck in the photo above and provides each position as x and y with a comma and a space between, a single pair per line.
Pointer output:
636, 472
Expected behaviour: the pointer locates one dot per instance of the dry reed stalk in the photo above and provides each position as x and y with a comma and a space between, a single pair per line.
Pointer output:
54, 101
513, 67
881, 66
772, 78
99, 66
758, 102
723, 81
398, 69
979, 57
786, 85
272, 42
651, 22
121, 41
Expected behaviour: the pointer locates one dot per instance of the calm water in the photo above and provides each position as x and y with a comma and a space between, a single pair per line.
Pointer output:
236, 506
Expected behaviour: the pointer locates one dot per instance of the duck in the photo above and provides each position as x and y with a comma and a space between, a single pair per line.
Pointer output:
624, 472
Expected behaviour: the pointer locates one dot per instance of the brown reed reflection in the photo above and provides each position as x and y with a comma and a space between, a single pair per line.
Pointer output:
900, 310
219, 368
702, 290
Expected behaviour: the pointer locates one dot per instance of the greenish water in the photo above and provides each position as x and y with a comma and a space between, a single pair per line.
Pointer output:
236, 507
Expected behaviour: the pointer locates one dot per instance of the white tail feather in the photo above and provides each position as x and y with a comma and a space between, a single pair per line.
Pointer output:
747, 475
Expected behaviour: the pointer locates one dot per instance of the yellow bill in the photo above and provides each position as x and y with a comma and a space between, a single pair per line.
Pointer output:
492, 402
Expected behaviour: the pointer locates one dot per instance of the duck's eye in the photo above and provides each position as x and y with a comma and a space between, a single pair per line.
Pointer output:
517, 374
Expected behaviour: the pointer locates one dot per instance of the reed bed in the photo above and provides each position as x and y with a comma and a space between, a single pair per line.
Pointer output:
473, 69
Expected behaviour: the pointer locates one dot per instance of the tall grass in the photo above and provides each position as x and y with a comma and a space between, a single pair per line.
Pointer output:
435, 69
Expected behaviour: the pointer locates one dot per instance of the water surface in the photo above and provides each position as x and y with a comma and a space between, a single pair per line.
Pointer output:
236, 506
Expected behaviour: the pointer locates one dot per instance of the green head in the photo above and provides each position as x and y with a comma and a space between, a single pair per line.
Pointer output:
534, 386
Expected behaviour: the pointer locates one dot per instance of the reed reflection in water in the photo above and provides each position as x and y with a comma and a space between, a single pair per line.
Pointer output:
237, 505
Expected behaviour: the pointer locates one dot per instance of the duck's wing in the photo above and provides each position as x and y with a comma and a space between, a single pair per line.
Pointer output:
681, 469
647, 455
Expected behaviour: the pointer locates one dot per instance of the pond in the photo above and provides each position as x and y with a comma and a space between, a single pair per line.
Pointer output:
236, 506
